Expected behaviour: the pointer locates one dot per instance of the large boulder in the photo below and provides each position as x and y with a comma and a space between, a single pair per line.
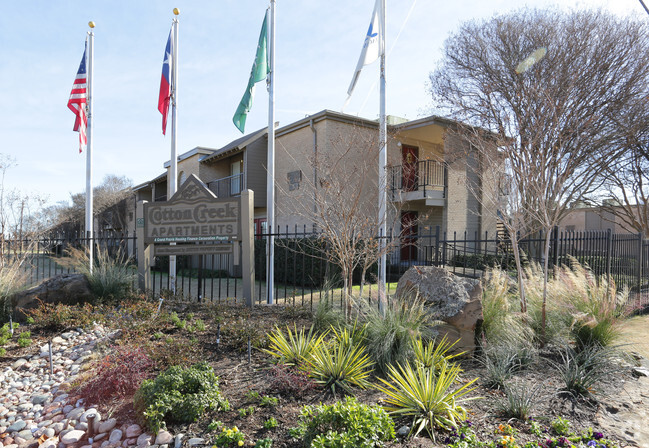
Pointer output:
457, 301
69, 289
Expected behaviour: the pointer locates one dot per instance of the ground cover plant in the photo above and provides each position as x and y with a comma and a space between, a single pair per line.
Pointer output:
267, 395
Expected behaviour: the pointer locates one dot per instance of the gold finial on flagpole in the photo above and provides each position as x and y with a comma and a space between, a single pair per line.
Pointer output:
91, 24
176, 11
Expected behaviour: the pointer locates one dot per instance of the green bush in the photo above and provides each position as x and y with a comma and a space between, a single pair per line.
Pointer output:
179, 395
345, 424
24, 339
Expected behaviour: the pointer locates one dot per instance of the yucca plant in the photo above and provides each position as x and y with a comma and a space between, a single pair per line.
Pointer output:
295, 347
351, 336
434, 355
426, 396
339, 365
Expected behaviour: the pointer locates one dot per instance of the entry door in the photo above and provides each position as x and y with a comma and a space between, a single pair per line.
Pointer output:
409, 230
410, 157
235, 179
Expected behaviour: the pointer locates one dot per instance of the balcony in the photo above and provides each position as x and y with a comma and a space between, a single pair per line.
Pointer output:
422, 180
227, 187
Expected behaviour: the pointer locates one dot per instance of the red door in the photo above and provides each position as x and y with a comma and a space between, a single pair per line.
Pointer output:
409, 231
410, 157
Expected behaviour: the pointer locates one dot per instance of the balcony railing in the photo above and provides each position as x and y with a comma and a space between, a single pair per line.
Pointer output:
227, 187
426, 177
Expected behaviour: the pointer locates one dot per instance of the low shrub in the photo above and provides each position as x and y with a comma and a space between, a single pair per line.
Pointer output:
345, 424
264, 443
118, 375
271, 423
172, 352
426, 396
56, 317
230, 438
502, 361
290, 381
180, 395
24, 339
581, 370
560, 426
243, 329
519, 400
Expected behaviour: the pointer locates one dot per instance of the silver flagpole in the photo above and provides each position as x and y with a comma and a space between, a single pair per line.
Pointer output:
89, 201
383, 162
172, 179
270, 186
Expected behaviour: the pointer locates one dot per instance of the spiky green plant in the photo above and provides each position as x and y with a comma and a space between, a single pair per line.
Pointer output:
433, 354
339, 365
426, 396
295, 347
582, 370
519, 400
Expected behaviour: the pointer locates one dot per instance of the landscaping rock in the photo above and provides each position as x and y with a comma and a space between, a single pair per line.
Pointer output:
69, 289
115, 436
457, 301
163, 438
133, 431
107, 425
72, 437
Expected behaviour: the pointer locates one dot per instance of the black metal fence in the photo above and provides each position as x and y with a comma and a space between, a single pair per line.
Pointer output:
304, 273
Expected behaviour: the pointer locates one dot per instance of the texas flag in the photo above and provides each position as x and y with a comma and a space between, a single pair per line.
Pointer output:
165, 83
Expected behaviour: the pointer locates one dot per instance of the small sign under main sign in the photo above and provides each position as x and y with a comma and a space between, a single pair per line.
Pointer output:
193, 249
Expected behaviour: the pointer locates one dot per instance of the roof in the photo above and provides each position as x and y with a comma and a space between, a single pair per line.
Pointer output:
155, 180
186, 155
236, 145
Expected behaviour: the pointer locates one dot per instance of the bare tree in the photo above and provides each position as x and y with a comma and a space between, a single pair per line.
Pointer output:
108, 197
341, 202
627, 178
554, 114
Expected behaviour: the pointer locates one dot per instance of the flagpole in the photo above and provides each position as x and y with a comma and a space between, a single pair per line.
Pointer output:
172, 179
383, 162
270, 186
89, 198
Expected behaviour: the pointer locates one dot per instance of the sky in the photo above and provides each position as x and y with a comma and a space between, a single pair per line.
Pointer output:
317, 47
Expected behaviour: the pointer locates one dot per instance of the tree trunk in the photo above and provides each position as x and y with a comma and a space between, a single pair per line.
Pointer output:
546, 267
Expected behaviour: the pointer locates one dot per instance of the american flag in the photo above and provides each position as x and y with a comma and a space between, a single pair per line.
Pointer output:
78, 100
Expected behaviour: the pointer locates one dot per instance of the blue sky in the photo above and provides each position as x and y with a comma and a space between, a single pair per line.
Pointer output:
318, 44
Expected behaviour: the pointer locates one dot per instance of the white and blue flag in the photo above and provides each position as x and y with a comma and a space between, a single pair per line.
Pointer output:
372, 47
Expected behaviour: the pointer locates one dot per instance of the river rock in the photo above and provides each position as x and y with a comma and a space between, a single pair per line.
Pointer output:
72, 437
163, 438
133, 431
107, 425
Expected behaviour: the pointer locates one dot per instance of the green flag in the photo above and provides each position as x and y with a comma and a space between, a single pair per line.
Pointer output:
258, 73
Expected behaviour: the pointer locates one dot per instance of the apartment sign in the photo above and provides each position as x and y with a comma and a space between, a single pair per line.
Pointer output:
192, 215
